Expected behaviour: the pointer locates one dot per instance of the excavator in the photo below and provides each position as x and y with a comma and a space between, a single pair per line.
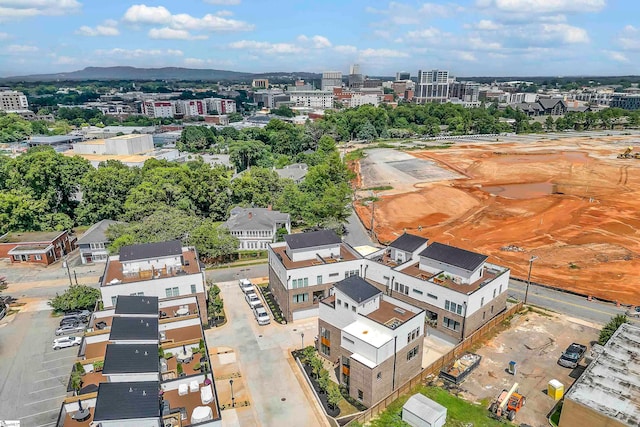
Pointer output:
628, 154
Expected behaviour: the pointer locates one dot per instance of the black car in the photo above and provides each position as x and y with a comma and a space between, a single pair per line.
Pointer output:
73, 321
572, 355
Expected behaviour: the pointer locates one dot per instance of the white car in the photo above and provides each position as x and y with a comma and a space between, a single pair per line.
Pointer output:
261, 315
71, 328
65, 342
252, 299
633, 312
246, 286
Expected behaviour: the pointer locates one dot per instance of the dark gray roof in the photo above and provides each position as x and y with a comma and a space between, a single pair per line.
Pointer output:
242, 219
97, 232
131, 359
451, 255
296, 172
134, 328
150, 250
528, 106
128, 400
132, 304
56, 139
356, 288
550, 102
408, 242
311, 239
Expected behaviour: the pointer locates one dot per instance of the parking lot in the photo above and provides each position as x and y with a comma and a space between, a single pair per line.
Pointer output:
535, 342
33, 376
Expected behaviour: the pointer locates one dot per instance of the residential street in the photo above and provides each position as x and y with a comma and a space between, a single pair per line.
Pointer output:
276, 387
357, 235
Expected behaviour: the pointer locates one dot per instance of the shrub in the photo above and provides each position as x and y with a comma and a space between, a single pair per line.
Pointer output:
611, 327
75, 297
196, 367
80, 368
179, 368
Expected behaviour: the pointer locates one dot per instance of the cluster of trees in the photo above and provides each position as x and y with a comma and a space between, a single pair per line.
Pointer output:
75, 297
14, 128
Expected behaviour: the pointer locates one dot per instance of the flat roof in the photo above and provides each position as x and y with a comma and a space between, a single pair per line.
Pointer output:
133, 304
30, 236
150, 250
127, 400
364, 332
56, 139
131, 359
611, 383
366, 362
390, 314
312, 239
115, 274
425, 408
134, 328
345, 255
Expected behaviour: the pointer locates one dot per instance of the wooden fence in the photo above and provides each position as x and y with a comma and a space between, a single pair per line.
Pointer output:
436, 366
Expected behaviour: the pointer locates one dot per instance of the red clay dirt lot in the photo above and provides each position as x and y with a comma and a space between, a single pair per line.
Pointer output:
570, 202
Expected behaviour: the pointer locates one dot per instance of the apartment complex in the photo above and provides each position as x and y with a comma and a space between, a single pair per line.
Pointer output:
191, 107
331, 79
144, 363
321, 99
376, 340
458, 289
625, 101
11, 100
221, 105
432, 86
162, 270
159, 109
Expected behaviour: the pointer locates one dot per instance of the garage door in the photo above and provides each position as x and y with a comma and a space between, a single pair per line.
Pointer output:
305, 314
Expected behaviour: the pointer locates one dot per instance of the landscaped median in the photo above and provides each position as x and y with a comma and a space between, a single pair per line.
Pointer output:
276, 312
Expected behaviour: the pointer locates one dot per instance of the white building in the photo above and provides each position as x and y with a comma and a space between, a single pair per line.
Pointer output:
159, 109
255, 228
331, 79
221, 105
458, 289
191, 107
11, 100
322, 99
358, 98
521, 97
94, 242
163, 270
432, 86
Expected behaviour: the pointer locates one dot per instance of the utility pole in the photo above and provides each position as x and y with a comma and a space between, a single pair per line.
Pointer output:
526, 294
373, 211
65, 263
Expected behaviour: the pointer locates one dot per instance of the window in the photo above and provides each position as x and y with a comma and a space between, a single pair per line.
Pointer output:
348, 340
494, 293
300, 298
402, 288
500, 289
114, 300
339, 302
137, 294
193, 289
346, 305
172, 292
360, 395
432, 296
16, 257
38, 257
300, 283
325, 333
484, 314
413, 334
379, 376
451, 324
492, 309
453, 307
325, 349
413, 352
417, 291
319, 280
353, 308
481, 301
333, 274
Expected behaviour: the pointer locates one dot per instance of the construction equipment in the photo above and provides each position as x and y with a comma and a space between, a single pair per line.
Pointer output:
508, 403
628, 154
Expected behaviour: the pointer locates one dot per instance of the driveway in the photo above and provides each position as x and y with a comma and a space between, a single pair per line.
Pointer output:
263, 356
33, 377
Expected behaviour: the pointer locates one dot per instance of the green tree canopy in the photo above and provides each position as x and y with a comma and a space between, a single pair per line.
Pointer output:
75, 297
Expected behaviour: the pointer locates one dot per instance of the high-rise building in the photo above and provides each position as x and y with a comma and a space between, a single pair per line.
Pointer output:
464, 91
402, 75
221, 105
356, 79
164, 109
432, 86
331, 79
191, 107
260, 83
11, 100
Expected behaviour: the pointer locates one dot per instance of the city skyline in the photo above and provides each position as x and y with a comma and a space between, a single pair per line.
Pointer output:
472, 37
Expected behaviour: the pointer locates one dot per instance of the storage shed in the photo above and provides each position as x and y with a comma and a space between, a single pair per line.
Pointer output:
420, 411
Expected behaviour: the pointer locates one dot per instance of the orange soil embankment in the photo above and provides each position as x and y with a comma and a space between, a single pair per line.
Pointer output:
585, 233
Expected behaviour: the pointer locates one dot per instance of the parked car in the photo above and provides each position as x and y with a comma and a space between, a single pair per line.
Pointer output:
64, 342
3, 310
633, 312
73, 321
246, 286
70, 329
252, 299
572, 355
261, 315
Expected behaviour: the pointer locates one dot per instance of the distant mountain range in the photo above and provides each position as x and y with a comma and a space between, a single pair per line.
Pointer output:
167, 73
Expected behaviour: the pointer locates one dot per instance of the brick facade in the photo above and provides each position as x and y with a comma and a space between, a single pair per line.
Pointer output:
285, 297
62, 244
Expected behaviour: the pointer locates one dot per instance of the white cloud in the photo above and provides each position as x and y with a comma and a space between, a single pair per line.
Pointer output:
266, 47
542, 7
65, 60
425, 34
21, 48
466, 56
223, 2
403, 14
194, 62
566, 33
486, 25
480, 44
320, 42
16, 9
137, 53
224, 13
382, 53
4, 36
629, 38
108, 28
345, 49
616, 56
166, 33
143, 14
383, 34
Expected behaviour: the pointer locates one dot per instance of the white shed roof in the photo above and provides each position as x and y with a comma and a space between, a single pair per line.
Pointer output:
425, 408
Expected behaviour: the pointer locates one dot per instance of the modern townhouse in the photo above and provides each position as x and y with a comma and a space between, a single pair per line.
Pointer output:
143, 366
374, 339
163, 270
458, 289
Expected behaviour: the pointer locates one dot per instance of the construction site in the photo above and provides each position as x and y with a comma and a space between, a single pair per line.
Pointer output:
568, 201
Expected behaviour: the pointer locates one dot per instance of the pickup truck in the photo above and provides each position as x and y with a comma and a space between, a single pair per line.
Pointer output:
572, 355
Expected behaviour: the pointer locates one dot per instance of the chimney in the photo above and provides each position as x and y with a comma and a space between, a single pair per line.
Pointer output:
250, 214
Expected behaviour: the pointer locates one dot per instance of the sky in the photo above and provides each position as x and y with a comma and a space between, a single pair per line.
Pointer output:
467, 37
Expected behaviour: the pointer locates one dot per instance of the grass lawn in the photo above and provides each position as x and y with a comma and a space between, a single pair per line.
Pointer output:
460, 413
555, 417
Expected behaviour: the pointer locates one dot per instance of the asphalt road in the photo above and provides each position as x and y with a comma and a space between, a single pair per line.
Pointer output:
565, 303
356, 233
228, 274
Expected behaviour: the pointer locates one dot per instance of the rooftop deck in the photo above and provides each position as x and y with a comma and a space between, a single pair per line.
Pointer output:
189, 401
280, 251
441, 280
165, 313
70, 422
179, 335
114, 271
390, 314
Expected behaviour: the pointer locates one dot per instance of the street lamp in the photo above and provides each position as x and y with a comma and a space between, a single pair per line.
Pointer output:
526, 294
233, 399
302, 340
